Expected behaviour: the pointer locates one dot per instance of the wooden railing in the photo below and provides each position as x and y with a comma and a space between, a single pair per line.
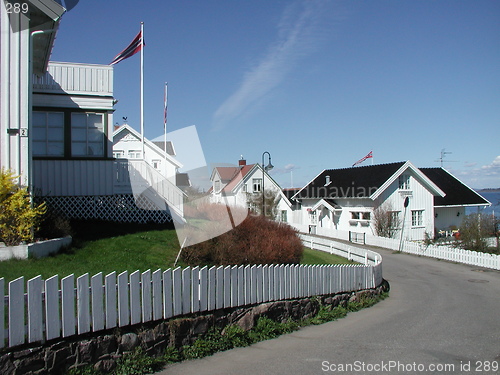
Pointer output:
74, 78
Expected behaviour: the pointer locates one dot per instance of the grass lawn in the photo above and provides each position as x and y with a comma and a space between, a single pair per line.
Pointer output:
115, 250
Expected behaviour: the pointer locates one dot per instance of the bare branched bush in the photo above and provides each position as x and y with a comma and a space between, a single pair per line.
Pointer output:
386, 221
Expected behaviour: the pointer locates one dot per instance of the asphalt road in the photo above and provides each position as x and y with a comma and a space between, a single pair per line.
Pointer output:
440, 318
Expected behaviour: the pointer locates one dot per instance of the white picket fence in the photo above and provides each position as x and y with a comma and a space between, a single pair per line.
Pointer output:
449, 253
347, 250
50, 309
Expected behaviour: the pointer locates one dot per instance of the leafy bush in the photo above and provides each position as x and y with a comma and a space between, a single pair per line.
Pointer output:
475, 230
256, 240
19, 219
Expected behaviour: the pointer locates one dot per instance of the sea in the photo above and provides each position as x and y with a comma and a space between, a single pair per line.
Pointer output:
494, 198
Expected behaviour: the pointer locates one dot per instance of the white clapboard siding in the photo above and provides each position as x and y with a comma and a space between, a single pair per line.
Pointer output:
135, 298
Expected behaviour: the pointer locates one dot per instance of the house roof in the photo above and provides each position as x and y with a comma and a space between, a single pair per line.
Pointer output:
457, 193
288, 193
231, 176
360, 182
170, 146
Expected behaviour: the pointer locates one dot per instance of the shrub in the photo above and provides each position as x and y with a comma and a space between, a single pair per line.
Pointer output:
256, 240
18, 217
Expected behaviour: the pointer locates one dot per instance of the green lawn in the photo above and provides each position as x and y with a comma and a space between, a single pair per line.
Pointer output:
142, 250
321, 257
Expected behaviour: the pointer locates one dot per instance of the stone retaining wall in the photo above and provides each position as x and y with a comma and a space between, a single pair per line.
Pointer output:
104, 349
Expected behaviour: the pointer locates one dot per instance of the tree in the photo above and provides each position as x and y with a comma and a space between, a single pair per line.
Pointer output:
386, 221
19, 219
474, 231
271, 199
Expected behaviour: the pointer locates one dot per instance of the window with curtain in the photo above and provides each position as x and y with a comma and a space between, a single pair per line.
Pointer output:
87, 134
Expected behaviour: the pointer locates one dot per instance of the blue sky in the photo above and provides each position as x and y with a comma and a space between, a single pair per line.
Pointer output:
318, 84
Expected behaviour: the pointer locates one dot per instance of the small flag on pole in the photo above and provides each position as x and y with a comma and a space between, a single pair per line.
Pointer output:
131, 50
370, 155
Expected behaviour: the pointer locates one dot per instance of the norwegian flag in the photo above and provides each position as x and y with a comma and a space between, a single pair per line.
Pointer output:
131, 50
370, 155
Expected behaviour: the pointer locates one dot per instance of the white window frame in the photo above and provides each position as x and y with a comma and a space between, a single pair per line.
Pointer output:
90, 141
48, 139
134, 154
404, 182
417, 218
257, 185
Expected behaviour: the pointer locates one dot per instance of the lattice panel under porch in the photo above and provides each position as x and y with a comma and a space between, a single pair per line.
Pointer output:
118, 208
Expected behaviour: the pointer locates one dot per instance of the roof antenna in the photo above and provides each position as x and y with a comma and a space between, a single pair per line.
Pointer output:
443, 155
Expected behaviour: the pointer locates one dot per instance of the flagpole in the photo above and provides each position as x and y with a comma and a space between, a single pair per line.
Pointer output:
142, 91
165, 126
165, 117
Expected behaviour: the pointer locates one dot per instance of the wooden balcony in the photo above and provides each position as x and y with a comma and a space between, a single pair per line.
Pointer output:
75, 79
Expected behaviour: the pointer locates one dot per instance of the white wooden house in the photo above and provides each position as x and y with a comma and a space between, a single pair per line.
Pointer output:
56, 131
26, 40
233, 185
127, 144
345, 199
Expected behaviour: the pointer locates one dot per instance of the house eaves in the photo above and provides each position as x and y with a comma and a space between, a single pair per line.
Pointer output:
431, 186
46, 14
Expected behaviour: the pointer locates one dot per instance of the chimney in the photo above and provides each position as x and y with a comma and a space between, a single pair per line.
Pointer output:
242, 162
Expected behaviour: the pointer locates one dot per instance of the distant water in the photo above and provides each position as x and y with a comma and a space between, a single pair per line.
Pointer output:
494, 198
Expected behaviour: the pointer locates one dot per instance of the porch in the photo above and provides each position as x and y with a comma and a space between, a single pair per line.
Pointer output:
121, 190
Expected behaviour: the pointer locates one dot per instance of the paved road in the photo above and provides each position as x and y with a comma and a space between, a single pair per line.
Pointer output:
438, 314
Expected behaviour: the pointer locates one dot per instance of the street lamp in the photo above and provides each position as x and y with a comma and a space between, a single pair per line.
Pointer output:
268, 167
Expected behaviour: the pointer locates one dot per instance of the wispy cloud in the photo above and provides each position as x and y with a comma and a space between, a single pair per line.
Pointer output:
298, 35
482, 177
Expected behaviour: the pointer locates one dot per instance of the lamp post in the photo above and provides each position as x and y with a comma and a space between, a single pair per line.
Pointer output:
268, 167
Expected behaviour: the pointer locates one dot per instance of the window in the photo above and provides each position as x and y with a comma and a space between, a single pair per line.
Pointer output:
257, 184
360, 215
118, 154
134, 154
217, 186
417, 218
244, 188
87, 134
48, 134
404, 182
283, 217
156, 164
394, 219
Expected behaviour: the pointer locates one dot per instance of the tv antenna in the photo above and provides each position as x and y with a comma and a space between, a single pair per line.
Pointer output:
443, 155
